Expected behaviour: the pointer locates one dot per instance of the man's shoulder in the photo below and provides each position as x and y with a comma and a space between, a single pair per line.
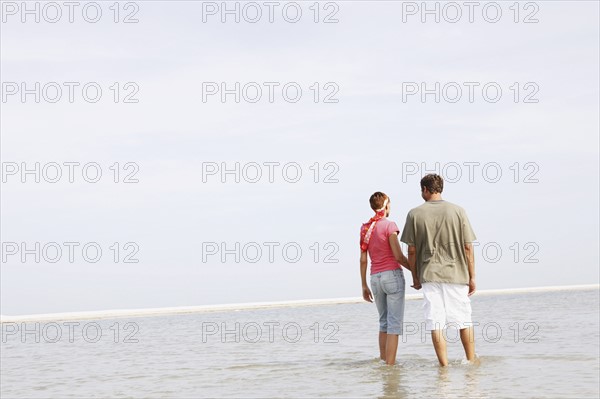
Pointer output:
451, 205
426, 207
414, 211
417, 212
459, 210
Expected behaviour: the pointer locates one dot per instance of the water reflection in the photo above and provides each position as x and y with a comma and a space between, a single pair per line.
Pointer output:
459, 379
391, 378
444, 383
472, 375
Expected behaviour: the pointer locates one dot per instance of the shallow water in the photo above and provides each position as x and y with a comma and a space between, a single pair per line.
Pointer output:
529, 345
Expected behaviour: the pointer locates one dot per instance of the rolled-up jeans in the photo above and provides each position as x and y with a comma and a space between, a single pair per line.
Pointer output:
388, 290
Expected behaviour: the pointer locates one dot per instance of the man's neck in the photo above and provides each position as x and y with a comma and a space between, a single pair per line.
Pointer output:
435, 197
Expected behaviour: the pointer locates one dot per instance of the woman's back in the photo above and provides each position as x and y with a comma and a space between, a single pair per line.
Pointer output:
380, 252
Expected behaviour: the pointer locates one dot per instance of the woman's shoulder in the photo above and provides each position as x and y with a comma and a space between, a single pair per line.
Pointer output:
386, 222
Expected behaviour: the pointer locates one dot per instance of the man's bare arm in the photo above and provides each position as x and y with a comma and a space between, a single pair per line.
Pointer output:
397, 250
412, 261
470, 254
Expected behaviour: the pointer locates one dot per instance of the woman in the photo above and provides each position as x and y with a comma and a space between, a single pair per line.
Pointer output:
379, 238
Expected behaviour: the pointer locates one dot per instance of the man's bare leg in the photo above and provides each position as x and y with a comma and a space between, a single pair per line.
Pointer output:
467, 336
391, 347
439, 344
382, 342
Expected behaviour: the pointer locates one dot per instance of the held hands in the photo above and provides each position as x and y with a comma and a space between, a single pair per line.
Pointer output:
416, 284
472, 286
367, 295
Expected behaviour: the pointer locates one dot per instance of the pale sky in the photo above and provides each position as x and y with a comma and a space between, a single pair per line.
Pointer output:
365, 141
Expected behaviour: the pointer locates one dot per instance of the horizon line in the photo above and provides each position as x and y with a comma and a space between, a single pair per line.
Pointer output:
177, 310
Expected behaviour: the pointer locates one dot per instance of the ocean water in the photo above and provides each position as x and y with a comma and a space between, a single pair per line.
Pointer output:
530, 345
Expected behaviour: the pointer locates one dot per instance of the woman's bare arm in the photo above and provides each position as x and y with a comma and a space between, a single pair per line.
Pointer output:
366, 292
395, 244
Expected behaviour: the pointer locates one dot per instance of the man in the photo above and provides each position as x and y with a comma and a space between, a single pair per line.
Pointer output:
439, 238
379, 238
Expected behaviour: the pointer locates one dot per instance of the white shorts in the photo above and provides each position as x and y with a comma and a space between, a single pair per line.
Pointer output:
446, 305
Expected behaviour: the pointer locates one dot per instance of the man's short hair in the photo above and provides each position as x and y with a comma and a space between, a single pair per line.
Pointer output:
377, 200
434, 183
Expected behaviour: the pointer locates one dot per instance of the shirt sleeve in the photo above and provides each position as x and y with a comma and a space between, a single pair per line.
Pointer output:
468, 233
408, 234
392, 228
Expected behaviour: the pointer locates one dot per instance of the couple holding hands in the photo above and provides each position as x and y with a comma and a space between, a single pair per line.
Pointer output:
440, 259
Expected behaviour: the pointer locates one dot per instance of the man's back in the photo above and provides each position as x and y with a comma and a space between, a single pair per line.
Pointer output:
439, 231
